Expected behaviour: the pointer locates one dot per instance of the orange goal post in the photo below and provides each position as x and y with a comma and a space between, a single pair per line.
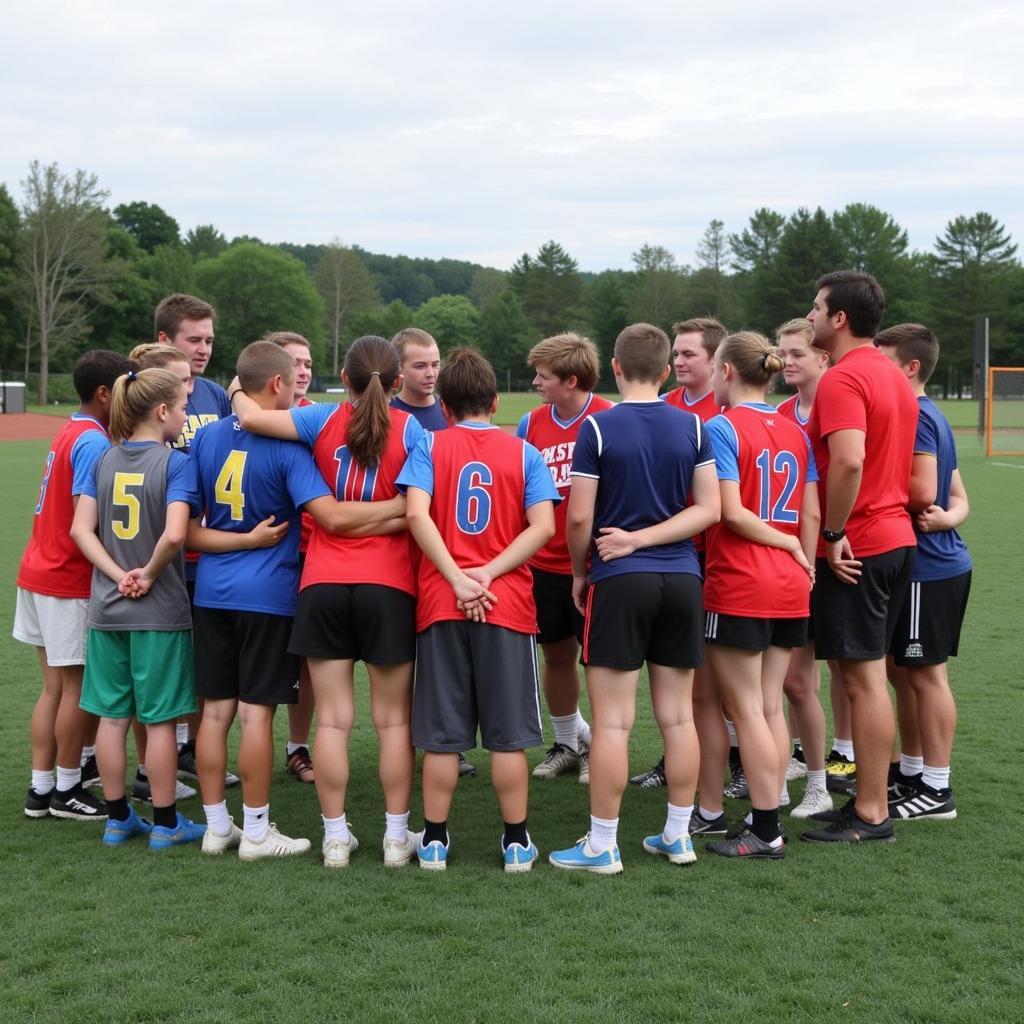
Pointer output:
1004, 411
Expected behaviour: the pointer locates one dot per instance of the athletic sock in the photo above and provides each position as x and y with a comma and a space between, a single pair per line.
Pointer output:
734, 756
733, 740
141, 772
583, 728
181, 733
515, 832
815, 780
88, 752
257, 821
435, 832
604, 833
165, 817
566, 731
396, 826
217, 819
677, 822
911, 766
798, 750
709, 815
765, 825
68, 778
337, 828
117, 810
935, 778
784, 796
42, 782
290, 748
844, 747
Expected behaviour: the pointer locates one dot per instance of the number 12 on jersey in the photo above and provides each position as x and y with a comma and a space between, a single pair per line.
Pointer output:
786, 466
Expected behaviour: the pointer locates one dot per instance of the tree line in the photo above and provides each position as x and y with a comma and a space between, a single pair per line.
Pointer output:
75, 273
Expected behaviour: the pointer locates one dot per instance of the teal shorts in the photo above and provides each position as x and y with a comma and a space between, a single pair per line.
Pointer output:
147, 673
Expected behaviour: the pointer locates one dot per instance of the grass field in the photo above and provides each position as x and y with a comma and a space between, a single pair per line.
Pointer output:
928, 930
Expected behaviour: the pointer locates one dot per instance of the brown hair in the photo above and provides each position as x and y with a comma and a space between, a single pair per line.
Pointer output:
856, 294
643, 352
260, 361
467, 384
568, 355
153, 354
411, 336
283, 338
371, 364
175, 308
912, 341
711, 331
754, 358
136, 395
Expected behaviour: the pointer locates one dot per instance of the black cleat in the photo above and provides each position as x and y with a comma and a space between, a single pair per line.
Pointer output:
850, 828
701, 826
77, 804
652, 778
37, 805
924, 803
90, 773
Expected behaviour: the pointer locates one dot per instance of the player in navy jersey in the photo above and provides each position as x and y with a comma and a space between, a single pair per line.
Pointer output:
420, 362
928, 629
643, 486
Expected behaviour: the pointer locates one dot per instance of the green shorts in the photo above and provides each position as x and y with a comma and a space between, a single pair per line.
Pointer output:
147, 673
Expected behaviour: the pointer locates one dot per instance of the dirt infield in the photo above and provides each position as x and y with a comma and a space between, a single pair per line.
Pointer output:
29, 426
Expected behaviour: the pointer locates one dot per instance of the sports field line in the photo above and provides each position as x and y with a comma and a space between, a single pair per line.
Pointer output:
1008, 465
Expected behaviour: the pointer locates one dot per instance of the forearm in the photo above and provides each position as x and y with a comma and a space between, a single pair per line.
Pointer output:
431, 543
90, 546
380, 528
749, 526
525, 546
810, 528
688, 523
164, 552
843, 488
202, 538
349, 516
579, 536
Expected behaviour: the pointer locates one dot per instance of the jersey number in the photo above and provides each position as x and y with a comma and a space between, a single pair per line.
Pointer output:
352, 482
472, 499
46, 480
785, 464
228, 489
124, 499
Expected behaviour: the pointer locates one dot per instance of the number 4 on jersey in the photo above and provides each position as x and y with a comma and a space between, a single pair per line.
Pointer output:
228, 489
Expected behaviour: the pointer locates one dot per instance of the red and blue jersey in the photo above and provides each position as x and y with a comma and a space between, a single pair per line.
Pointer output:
555, 439
705, 407
770, 458
388, 560
52, 563
790, 408
481, 481
307, 519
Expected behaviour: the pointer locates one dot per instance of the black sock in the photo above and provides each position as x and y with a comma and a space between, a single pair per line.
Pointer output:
118, 809
515, 833
435, 831
165, 817
766, 824
798, 753
734, 757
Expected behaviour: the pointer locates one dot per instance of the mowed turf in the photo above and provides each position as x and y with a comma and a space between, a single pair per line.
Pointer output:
926, 930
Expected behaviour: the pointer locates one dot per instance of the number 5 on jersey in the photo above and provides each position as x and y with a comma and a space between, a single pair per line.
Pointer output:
124, 499
228, 488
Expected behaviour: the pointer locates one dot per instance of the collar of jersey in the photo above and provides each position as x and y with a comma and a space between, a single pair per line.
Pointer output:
477, 426
137, 444
756, 406
696, 401
583, 412
81, 417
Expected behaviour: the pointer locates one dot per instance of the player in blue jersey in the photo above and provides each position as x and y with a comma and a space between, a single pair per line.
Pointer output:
928, 629
420, 363
643, 486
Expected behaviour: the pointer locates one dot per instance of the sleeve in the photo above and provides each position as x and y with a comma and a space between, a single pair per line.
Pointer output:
309, 420
85, 454
840, 404
725, 447
523, 426
222, 400
539, 485
586, 457
418, 470
705, 449
302, 476
183, 481
89, 480
926, 440
414, 433
812, 467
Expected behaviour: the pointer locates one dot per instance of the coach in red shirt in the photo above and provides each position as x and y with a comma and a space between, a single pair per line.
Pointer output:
862, 427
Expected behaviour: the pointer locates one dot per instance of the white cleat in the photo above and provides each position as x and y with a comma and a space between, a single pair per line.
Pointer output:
816, 799
337, 852
273, 844
398, 852
214, 843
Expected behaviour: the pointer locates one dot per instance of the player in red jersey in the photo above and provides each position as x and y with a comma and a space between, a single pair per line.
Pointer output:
480, 504
567, 368
357, 592
862, 428
693, 359
53, 598
804, 365
758, 574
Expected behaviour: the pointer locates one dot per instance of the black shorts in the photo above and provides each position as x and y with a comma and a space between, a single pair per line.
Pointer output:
558, 618
474, 674
355, 621
645, 616
856, 622
750, 634
244, 656
928, 629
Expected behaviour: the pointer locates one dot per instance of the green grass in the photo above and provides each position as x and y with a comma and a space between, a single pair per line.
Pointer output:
927, 930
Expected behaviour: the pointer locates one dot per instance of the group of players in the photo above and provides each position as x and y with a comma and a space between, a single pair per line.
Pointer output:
436, 545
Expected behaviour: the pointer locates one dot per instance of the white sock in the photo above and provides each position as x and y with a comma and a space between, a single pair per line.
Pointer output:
396, 826
42, 782
566, 731
708, 815
937, 778
292, 747
337, 828
583, 728
257, 821
784, 796
844, 747
604, 833
733, 740
88, 752
142, 772
68, 778
815, 780
181, 731
677, 822
217, 819
748, 818
911, 765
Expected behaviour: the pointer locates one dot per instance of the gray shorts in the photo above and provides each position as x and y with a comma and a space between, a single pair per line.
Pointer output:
470, 675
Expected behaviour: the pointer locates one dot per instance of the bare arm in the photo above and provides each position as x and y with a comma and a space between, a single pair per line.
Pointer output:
580, 522
359, 518
810, 522
540, 528
845, 469
169, 544
269, 422
935, 519
924, 482
262, 535
83, 533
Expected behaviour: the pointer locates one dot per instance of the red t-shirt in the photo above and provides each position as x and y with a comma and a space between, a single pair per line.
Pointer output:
865, 391
770, 456
556, 442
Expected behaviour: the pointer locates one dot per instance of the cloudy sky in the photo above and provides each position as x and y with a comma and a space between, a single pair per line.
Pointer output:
479, 131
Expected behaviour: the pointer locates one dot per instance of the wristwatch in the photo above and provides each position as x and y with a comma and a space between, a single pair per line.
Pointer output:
831, 536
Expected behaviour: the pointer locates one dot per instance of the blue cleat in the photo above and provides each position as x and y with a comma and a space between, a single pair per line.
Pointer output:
582, 858
118, 832
184, 831
519, 858
433, 856
679, 851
